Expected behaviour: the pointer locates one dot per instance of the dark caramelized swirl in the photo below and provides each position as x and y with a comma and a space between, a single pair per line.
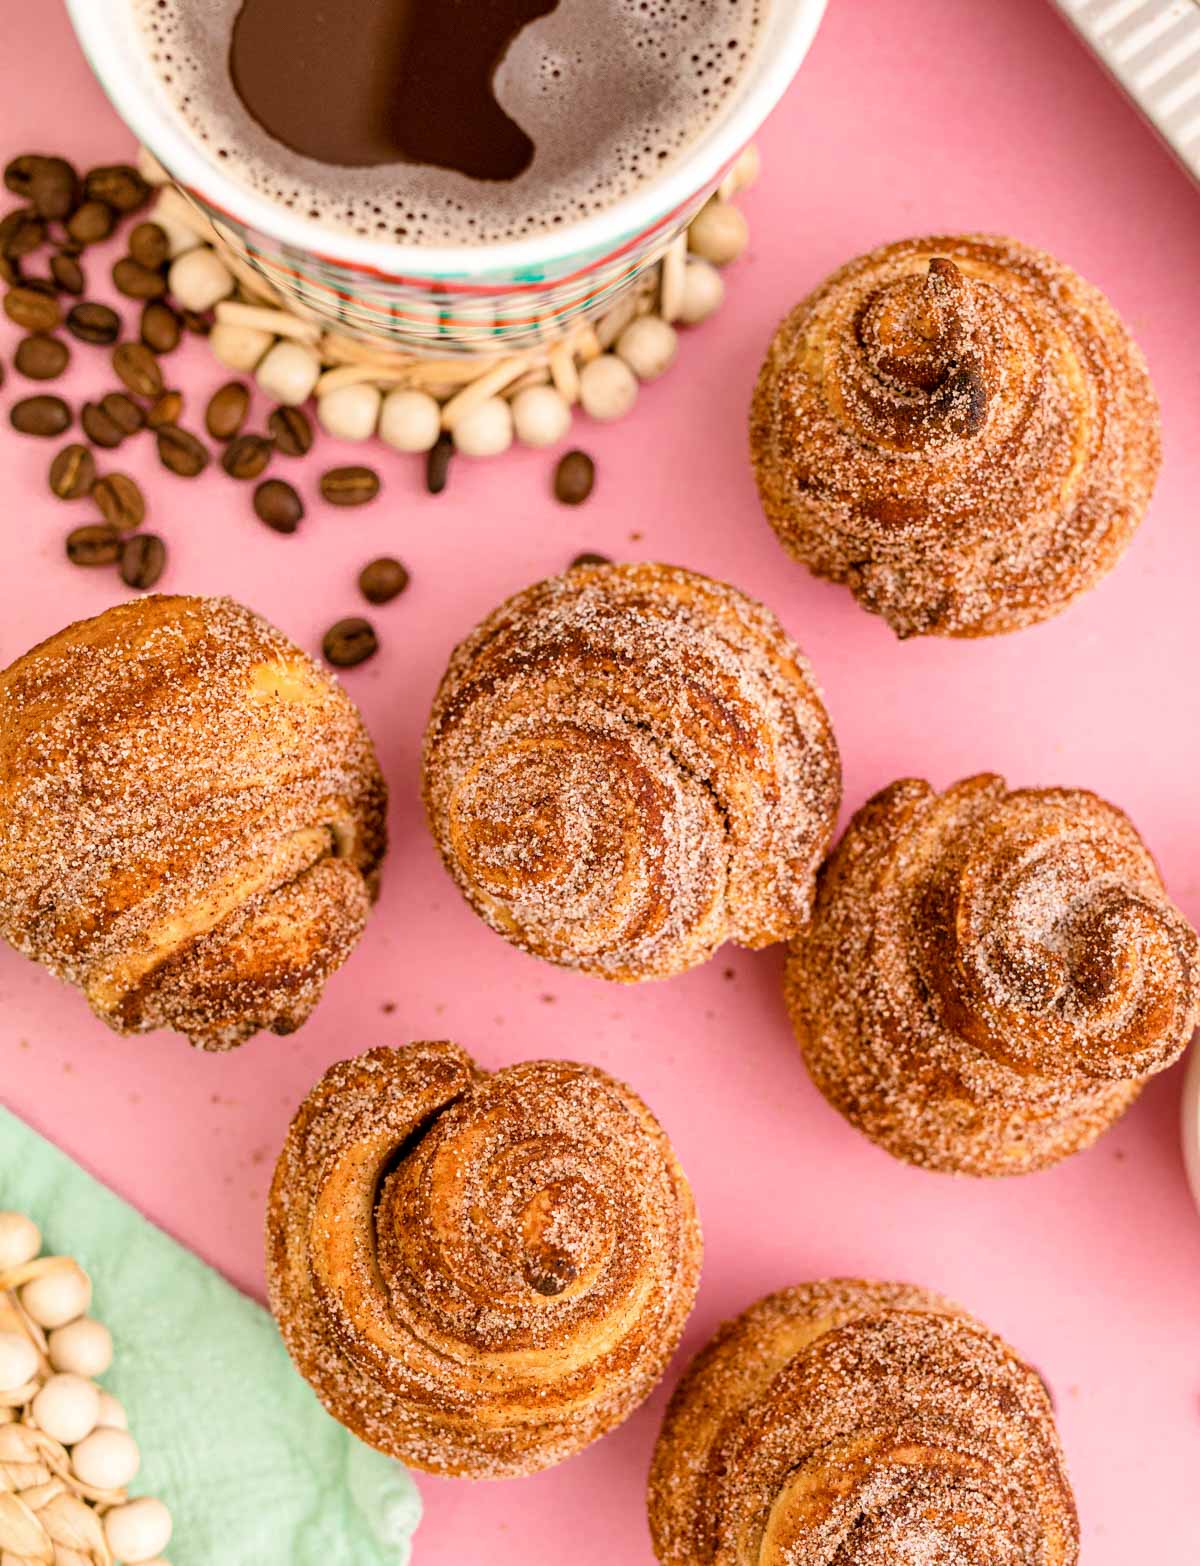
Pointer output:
960, 429
856, 1424
479, 1274
990, 976
627, 766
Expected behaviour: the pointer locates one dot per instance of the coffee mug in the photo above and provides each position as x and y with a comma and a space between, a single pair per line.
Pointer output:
444, 298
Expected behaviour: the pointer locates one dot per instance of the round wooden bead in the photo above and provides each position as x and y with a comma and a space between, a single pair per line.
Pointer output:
20, 1240
607, 387
485, 431
199, 279
58, 1296
540, 416
718, 233
138, 1531
409, 420
350, 412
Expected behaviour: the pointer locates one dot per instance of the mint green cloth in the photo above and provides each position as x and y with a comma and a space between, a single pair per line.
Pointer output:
255, 1472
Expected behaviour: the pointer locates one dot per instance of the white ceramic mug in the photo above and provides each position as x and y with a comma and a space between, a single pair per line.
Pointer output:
444, 298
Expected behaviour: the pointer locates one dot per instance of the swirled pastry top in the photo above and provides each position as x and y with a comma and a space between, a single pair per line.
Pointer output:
960, 429
479, 1274
628, 765
856, 1424
191, 818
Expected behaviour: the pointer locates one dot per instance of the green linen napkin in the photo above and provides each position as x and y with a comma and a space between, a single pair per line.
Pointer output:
254, 1470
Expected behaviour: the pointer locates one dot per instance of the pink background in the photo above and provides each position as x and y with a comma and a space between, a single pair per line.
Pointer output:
909, 116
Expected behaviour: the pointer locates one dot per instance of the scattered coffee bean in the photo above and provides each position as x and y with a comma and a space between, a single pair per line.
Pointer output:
349, 642
143, 557
117, 184
247, 456
94, 323
100, 427
122, 410
41, 358
574, 477
94, 544
291, 432
382, 580
437, 464
226, 411
50, 185
165, 410
136, 281
278, 505
351, 486
161, 327
588, 558
67, 274
31, 309
119, 501
138, 369
21, 233
10, 271
149, 244
73, 472
18, 174
45, 416
180, 451
198, 322
91, 223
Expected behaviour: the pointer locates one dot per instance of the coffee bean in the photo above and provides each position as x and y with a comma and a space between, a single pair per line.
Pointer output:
349, 642
226, 411
100, 427
574, 477
67, 274
18, 174
590, 559
437, 464
291, 431
91, 223
352, 486
41, 358
117, 184
382, 580
50, 185
10, 271
122, 410
45, 416
32, 309
136, 281
94, 323
138, 369
247, 456
165, 410
72, 473
180, 451
149, 244
143, 557
198, 322
161, 327
21, 233
94, 544
278, 505
119, 501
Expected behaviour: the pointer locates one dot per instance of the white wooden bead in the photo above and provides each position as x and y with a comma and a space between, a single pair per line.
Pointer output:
58, 1296
20, 1240
540, 416
83, 1346
289, 373
648, 346
409, 420
485, 431
746, 170
607, 387
67, 1407
238, 348
703, 291
719, 233
350, 412
138, 1531
199, 279
18, 1361
108, 1459
112, 1413
181, 236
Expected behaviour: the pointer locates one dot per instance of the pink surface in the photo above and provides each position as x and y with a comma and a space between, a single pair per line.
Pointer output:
910, 115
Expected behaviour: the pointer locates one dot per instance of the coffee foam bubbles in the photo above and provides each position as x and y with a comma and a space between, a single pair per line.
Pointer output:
610, 92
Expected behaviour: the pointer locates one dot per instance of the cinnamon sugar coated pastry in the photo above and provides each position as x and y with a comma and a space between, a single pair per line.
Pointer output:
860, 1424
479, 1273
627, 766
958, 428
990, 977
191, 818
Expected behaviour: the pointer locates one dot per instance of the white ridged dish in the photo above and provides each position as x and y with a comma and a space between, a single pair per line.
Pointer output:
1152, 47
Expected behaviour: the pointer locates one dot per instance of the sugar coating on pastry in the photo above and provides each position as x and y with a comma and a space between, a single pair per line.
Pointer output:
479, 1273
860, 1424
958, 428
191, 818
627, 766
990, 976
